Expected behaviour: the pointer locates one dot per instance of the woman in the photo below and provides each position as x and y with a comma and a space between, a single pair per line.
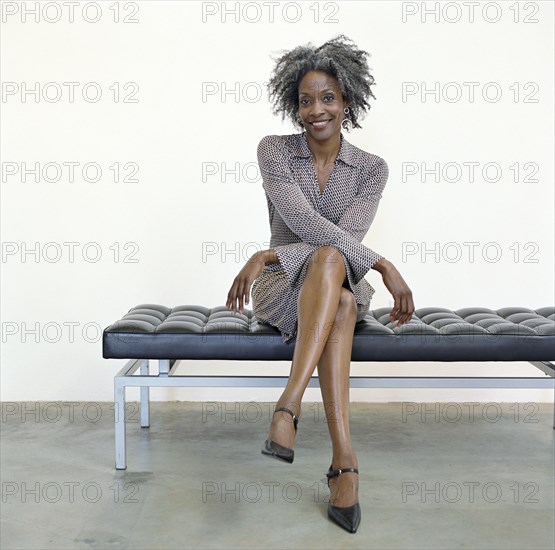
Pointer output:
322, 194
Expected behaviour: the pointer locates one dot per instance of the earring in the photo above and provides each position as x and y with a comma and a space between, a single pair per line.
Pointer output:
347, 123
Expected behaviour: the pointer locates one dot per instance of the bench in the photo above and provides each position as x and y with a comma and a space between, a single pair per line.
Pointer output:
193, 332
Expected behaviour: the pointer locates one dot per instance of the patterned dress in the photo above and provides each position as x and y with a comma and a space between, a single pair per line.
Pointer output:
302, 219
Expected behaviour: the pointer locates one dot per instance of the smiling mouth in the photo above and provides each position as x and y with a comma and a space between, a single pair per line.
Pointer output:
319, 124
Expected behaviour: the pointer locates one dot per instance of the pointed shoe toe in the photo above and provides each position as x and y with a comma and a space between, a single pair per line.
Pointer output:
347, 518
271, 448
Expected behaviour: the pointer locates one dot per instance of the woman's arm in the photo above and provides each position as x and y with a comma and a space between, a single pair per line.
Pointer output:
356, 220
403, 306
268, 256
299, 215
239, 293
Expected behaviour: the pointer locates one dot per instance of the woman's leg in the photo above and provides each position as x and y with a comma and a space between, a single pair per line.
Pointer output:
318, 303
333, 373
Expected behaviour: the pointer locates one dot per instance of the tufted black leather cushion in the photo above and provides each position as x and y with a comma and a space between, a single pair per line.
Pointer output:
152, 331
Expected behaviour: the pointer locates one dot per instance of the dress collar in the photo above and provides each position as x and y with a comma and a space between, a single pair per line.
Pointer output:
301, 149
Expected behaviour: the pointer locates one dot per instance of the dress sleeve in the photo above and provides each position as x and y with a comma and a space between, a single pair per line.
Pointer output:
292, 258
298, 214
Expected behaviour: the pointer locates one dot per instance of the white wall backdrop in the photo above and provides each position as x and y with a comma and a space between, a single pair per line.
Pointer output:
149, 192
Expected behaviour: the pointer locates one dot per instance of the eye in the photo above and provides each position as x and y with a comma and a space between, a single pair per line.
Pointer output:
330, 96
303, 101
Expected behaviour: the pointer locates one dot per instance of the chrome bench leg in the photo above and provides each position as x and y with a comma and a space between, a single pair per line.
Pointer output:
119, 413
549, 369
145, 397
119, 408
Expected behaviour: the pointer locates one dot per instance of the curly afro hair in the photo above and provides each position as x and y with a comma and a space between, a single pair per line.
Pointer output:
340, 58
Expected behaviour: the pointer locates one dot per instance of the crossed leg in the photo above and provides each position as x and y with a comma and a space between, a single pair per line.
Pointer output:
326, 320
333, 372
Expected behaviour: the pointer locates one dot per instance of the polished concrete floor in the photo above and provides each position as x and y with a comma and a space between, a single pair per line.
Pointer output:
434, 477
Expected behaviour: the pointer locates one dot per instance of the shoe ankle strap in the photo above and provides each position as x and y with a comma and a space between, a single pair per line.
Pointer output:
295, 418
339, 471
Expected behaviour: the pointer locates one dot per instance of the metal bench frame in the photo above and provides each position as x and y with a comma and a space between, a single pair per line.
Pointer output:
137, 373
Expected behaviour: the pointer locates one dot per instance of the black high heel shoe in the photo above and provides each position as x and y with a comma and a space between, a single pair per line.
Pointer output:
271, 448
348, 518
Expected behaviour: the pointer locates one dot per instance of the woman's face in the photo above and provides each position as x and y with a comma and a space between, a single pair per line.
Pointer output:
321, 105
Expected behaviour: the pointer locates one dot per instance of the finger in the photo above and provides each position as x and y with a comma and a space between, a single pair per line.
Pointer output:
241, 294
411, 316
237, 298
407, 309
394, 311
395, 304
245, 295
398, 311
401, 314
232, 304
231, 295
246, 291
410, 311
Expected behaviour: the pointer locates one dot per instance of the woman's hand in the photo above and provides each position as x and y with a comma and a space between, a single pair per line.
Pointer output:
240, 290
403, 307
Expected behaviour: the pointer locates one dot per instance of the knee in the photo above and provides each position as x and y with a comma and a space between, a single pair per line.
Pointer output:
347, 304
327, 259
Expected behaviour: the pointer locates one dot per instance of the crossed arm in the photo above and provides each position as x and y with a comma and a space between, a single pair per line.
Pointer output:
309, 225
315, 230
